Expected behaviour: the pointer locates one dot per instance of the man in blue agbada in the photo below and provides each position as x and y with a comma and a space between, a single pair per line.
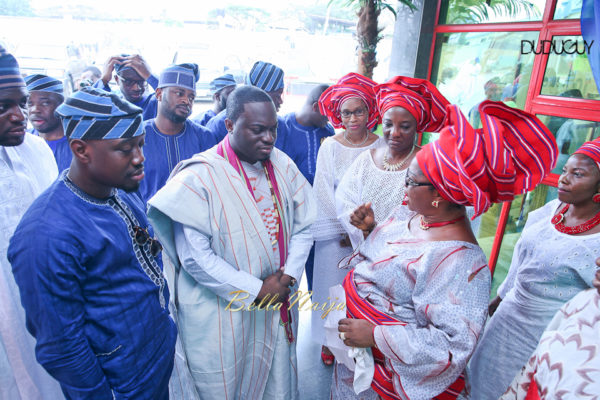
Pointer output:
45, 95
132, 75
172, 137
300, 133
220, 88
263, 75
91, 282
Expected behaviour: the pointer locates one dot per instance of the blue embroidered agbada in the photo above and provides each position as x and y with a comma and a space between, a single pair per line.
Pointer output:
301, 143
202, 119
61, 150
163, 152
95, 300
91, 282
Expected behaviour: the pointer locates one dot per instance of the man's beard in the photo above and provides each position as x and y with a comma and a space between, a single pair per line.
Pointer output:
222, 103
175, 118
50, 128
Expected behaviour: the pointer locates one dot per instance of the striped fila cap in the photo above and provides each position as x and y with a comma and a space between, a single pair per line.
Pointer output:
93, 114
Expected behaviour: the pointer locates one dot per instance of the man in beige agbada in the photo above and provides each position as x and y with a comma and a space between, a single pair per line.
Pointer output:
236, 219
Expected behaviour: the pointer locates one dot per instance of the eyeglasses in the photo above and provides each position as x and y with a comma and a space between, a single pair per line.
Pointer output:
358, 113
409, 182
133, 82
142, 237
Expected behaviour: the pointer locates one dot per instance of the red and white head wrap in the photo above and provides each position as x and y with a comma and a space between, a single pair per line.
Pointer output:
418, 96
349, 86
591, 149
510, 155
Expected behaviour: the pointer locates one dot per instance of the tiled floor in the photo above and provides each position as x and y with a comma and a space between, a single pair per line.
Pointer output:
314, 378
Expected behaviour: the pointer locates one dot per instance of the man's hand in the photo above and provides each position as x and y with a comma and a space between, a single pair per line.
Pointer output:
275, 286
138, 63
363, 218
288, 280
109, 67
356, 332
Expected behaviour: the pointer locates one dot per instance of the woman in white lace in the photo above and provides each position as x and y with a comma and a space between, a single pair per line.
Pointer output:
376, 177
552, 262
349, 104
417, 296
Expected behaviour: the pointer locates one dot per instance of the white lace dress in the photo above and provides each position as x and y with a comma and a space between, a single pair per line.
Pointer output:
333, 161
548, 269
364, 182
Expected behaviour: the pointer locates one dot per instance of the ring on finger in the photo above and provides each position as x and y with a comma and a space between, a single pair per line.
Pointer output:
343, 336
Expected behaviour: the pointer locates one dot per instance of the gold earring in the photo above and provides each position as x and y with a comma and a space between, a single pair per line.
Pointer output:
435, 203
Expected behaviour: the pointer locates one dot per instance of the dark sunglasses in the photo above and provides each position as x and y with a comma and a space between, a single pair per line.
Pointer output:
142, 237
409, 182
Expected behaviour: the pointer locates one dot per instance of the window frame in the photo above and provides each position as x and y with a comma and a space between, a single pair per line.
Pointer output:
536, 103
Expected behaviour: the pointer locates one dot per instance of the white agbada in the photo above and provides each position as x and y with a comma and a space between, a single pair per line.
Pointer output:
25, 172
207, 205
333, 161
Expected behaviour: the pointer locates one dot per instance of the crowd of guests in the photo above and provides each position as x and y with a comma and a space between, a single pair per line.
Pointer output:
147, 255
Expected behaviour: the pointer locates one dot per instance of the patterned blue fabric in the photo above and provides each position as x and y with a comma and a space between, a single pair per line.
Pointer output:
44, 83
590, 30
301, 143
180, 75
222, 82
92, 114
202, 119
163, 152
95, 300
10, 74
121, 67
61, 150
266, 76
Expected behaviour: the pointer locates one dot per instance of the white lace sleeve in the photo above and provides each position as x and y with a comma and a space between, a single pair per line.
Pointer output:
326, 225
348, 197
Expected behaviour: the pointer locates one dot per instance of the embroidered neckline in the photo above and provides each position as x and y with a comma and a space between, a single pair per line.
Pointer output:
81, 194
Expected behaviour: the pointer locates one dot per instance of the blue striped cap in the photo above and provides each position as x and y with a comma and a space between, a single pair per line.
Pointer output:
10, 74
44, 83
92, 114
222, 82
121, 67
266, 76
180, 75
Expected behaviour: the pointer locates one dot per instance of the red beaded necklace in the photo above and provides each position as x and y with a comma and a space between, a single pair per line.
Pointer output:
426, 225
559, 223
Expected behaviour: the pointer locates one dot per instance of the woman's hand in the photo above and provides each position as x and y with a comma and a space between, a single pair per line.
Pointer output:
363, 218
356, 332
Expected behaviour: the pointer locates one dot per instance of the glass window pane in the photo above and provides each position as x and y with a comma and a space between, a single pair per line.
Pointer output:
568, 75
470, 67
570, 135
520, 208
568, 9
479, 11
